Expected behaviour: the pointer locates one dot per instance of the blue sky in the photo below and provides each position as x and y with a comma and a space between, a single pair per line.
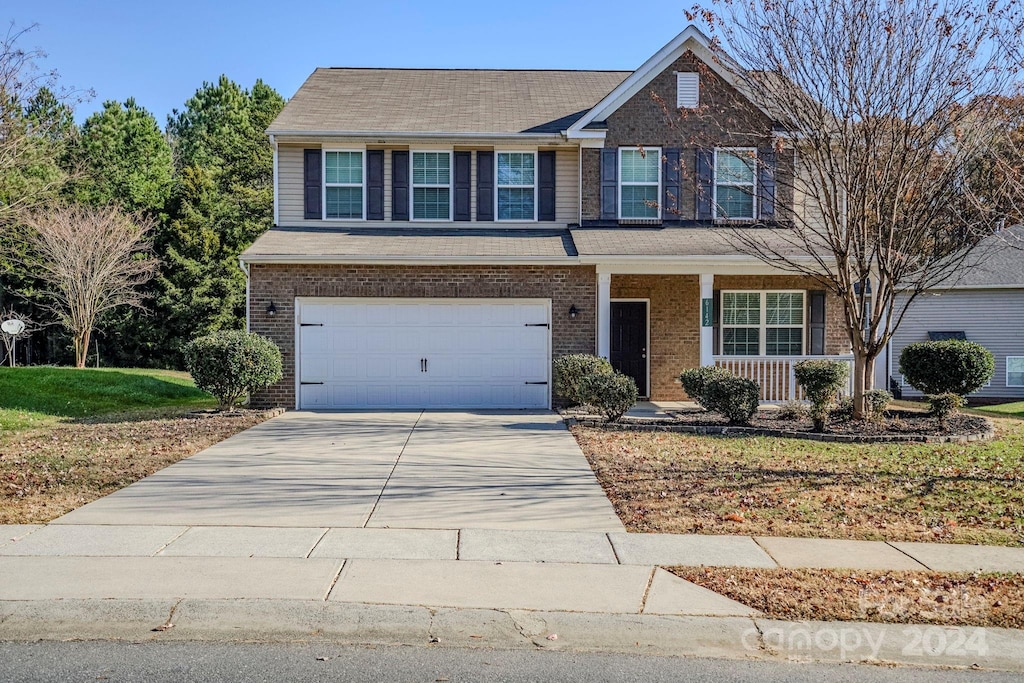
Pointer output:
160, 52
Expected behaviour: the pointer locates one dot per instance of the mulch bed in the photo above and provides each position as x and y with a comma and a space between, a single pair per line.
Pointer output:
878, 596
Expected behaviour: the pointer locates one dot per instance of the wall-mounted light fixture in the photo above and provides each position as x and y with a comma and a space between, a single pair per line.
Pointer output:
271, 309
573, 311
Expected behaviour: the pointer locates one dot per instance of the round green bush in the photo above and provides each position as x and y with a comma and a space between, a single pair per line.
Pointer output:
569, 372
695, 381
232, 364
735, 398
612, 394
944, 405
878, 401
953, 366
821, 380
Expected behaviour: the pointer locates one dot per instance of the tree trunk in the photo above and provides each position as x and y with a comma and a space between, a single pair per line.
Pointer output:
81, 347
863, 381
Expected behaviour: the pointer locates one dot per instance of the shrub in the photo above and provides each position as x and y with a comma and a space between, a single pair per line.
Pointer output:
570, 370
695, 381
792, 411
611, 393
735, 398
232, 364
842, 409
878, 401
953, 366
821, 380
944, 405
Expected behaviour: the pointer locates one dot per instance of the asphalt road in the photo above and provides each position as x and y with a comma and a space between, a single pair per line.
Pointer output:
181, 662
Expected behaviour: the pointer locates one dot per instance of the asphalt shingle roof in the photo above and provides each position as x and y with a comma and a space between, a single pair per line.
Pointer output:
412, 243
673, 241
443, 100
998, 261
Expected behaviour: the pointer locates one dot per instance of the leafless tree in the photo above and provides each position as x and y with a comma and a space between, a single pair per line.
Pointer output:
92, 260
884, 109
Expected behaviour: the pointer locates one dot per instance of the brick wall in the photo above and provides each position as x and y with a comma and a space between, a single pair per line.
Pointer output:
675, 326
564, 285
725, 118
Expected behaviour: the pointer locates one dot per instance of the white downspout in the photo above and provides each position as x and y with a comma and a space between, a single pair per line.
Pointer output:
277, 211
245, 269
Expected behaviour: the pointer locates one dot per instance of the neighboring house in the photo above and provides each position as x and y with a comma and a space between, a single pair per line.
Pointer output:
441, 235
985, 305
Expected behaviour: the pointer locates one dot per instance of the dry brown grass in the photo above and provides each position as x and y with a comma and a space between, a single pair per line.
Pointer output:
48, 471
878, 596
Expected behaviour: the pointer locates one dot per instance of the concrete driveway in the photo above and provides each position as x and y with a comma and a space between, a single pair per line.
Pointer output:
416, 470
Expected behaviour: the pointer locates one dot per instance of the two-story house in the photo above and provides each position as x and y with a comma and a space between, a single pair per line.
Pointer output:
441, 235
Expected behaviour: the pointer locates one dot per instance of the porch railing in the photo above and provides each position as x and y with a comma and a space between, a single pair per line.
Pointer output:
775, 376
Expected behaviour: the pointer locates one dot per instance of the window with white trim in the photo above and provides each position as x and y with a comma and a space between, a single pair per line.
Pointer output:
735, 183
687, 90
639, 182
431, 186
1015, 371
762, 323
517, 186
343, 184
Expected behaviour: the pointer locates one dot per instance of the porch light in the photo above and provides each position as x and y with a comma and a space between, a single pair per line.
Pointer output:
271, 309
573, 312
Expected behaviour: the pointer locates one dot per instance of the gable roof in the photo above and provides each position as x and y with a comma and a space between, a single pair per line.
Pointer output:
996, 263
443, 101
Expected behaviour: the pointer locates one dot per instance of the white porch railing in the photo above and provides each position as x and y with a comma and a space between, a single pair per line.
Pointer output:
774, 374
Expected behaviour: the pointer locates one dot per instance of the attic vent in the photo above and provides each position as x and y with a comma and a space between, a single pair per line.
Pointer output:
687, 89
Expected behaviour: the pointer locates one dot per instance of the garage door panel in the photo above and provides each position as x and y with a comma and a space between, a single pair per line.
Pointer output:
480, 353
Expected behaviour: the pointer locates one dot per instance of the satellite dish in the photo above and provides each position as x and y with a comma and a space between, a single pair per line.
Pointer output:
13, 326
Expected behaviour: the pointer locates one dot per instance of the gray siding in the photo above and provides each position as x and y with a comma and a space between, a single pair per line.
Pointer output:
994, 318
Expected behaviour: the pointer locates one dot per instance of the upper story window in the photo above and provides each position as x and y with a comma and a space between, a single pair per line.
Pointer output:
687, 90
762, 323
343, 185
431, 185
639, 182
735, 183
517, 186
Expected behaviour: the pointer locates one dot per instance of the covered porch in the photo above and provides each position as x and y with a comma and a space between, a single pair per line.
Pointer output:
654, 321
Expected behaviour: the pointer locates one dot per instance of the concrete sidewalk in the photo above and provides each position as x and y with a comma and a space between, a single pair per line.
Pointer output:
491, 545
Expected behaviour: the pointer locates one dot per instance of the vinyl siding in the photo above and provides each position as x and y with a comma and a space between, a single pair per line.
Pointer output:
994, 318
290, 190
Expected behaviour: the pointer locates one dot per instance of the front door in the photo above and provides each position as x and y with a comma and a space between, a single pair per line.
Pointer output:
629, 341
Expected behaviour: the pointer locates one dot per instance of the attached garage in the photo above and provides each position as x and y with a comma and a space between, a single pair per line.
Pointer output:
392, 353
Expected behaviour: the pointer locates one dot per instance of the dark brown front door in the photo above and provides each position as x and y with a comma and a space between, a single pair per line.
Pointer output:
629, 341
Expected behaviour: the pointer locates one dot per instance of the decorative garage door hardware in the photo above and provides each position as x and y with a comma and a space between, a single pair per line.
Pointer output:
310, 382
423, 364
545, 383
311, 324
537, 325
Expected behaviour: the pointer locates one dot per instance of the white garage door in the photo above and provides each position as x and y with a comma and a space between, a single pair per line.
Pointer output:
423, 353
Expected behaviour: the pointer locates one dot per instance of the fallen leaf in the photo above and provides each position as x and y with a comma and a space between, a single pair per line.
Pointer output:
553, 636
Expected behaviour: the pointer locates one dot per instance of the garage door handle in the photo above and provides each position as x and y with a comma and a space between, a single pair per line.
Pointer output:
534, 382
305, 383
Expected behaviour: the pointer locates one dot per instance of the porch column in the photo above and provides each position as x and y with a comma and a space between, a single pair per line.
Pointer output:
604, 315
707, 329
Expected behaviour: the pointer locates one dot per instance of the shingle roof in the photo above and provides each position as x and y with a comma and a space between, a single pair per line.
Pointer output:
674, 241
997, 262
443, 100
312, 243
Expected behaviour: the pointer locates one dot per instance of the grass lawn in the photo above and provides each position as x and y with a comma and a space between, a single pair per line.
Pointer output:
69, 436
677, 483
1015, 409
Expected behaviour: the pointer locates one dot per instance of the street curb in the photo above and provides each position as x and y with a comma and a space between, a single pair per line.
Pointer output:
365, 624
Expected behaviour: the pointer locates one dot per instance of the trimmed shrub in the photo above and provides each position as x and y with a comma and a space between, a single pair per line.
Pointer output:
735, 398
944, 405
878, 401
842, 409
695, 381
821, 380
232, 364
792, 411
611, 393
569, 372
953, 366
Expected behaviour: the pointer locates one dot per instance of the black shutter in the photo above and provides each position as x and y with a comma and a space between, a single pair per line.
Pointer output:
816, 322
312, 183
716, 318
463, 183
546, 186
485, 186
671, 176
766, 185
375, 185
705, 175
399, 185
609, 184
